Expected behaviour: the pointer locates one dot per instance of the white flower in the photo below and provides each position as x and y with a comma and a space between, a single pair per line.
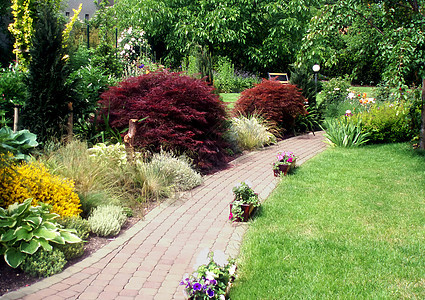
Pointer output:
336, 89
347, 112
210, 275
222, 297
202, 258
351, 95
133, 39
130, 30
119, 40
127, 47
232, 270
371, 100
220, 258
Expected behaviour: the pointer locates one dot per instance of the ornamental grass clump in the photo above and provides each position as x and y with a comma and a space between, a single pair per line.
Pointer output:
251, 132
107, 220
33, 180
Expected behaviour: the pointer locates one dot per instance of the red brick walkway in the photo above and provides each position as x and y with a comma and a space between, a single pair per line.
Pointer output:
149, 259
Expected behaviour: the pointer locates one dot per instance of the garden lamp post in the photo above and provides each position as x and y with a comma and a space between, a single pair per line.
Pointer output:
316, 69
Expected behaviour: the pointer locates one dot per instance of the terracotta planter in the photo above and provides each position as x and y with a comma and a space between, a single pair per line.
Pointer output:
283, 169
247, 210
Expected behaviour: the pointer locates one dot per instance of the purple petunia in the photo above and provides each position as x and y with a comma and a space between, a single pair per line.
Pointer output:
210, 293
213, 282
197, 286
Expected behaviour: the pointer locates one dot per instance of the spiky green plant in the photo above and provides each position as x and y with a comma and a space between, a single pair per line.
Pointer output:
344, 132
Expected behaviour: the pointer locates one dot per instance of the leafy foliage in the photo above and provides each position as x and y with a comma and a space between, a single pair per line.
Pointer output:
47, 106
44, 263
33, 180
107, 220
390, 122
344, 132
276, 102
25, 229
181, 114
227, 80
260, 35
368, 39
19, 144
82, 230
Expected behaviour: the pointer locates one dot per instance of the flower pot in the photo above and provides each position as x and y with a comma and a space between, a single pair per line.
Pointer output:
246, 212
283, 169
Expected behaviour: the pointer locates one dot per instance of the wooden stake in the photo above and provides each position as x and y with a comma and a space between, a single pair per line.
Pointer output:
15, 118
70, 122
129, 139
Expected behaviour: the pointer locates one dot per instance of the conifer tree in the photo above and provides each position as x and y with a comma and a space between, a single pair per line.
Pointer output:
47, 106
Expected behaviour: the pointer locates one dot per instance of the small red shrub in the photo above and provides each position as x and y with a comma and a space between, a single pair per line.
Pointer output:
182, 115
279, 103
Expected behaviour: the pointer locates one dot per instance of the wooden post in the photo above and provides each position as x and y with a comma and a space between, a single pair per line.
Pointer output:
422, 133
129, 139
15, 118
70, 122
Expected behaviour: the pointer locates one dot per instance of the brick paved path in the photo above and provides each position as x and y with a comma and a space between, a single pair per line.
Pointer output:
149, 259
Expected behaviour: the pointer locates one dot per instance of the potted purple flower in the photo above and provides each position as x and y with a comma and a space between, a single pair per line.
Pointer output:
209, 281
285, 162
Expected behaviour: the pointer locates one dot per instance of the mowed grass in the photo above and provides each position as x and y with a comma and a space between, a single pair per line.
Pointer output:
230, 98
348, 224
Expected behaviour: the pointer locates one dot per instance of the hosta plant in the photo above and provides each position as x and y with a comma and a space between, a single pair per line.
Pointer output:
25, 229
18, 143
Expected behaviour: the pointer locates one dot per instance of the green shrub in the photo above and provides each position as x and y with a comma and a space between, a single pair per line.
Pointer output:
82, 229
335, 92
390, 122
250, 132
25, 229
107, 220
344, 132
44, 263
227, 80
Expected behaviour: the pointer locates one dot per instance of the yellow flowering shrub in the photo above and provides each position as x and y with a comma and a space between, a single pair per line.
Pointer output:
33, 180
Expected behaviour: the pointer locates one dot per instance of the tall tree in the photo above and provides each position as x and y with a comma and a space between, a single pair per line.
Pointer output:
47, 106
259, 35
386, 35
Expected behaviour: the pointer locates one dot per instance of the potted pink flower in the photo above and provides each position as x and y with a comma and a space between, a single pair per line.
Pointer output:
285, 162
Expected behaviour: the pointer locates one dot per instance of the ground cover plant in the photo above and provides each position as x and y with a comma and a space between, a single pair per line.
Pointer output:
177, 113
348, 224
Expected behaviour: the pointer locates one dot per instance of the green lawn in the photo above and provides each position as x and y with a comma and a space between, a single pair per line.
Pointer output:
230, 98
348, 224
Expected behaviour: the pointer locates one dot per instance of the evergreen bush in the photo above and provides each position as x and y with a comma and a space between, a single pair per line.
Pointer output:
44, 263
46, 108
